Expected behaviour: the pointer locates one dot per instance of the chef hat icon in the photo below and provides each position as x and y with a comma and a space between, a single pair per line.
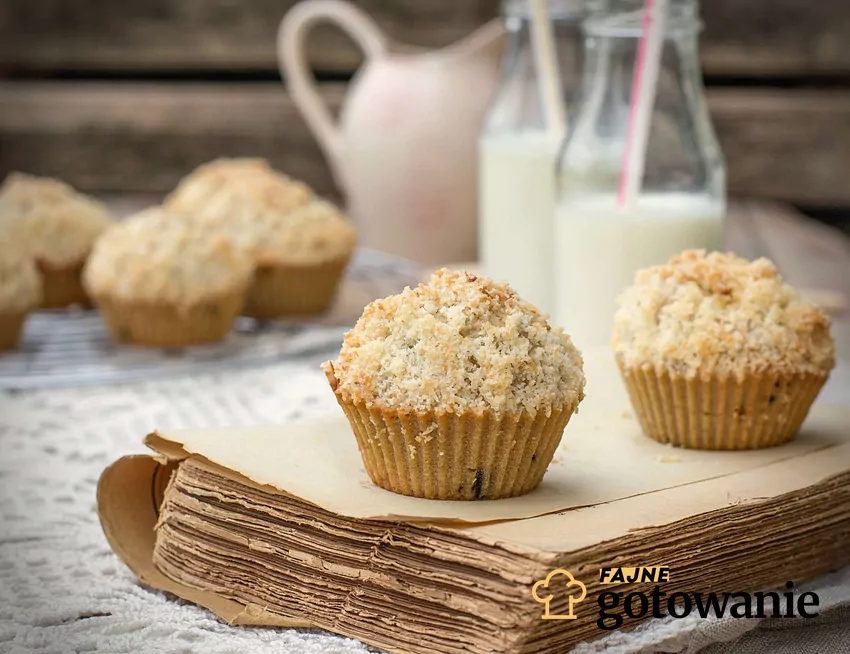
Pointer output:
558, 580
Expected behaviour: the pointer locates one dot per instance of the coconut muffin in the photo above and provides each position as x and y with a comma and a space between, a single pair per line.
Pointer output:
718, 352
62, 226
20, 283
301, 245
162, 282
457, 389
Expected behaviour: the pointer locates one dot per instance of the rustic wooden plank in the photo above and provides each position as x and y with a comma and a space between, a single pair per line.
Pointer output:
144, 137
205, 34
790, 145
775, 37
757, 37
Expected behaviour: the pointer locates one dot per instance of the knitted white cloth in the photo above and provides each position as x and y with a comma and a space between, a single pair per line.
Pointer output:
63, 590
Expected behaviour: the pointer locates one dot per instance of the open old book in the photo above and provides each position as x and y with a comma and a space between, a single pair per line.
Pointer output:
281, 526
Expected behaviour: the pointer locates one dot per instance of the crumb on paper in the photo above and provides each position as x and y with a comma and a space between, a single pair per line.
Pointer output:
626, 414
669, 459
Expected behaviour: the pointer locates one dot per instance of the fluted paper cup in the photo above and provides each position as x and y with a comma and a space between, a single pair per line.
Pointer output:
287, 290
62, 287
721, 413
11, 325
159, 324
449, 456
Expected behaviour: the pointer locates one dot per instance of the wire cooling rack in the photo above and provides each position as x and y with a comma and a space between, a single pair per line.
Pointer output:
70, 348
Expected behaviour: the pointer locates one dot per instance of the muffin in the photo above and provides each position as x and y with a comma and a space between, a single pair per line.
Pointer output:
164, 283
300, 245
456, 389
718, 353
62, 225
20, 283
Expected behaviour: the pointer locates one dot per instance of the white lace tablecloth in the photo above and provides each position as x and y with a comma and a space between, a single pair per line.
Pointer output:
63, 590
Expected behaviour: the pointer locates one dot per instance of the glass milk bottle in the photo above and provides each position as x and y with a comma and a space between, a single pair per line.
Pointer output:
600, 241
517, 155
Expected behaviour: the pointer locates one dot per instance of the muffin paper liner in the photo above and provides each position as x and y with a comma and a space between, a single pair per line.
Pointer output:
285, 290
165, 325
11, 326
62, 286
721, 413
448, 456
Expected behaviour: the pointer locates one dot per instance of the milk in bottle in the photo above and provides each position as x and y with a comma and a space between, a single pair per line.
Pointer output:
518, 157
599, 241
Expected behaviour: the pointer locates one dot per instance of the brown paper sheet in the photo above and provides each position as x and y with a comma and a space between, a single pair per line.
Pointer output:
566, 532
603, 457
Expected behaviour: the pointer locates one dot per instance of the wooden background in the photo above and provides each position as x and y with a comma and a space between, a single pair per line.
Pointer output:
129, 96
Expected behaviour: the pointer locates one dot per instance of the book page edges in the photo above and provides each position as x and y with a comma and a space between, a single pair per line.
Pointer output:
128, 496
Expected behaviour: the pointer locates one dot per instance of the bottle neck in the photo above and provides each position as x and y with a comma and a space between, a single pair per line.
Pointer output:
612, 31
573, 10
517, 105
624, 18
681, 153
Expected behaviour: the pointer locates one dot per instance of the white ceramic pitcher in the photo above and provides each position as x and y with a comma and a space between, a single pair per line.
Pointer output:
404, 149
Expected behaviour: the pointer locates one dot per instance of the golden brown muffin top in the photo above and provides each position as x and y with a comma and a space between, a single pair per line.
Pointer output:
155, 256
20, 282
62, 225
314, 233
240, 188
278, 219
458, 343
704, 314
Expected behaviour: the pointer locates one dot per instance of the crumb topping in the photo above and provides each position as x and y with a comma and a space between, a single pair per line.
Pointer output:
720, 314
458, 343
277, 219
20, 282
62, 224
313, 233
155, 256
238, 189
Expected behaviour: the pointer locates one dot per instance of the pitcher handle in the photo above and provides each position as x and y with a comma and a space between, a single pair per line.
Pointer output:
291, 54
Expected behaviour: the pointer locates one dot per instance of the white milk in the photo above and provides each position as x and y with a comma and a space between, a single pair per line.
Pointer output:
598, 249
516, 211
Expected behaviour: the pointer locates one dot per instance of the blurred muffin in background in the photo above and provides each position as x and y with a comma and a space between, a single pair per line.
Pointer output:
237, 188
61, 228
164, 282
300, 244
20, 283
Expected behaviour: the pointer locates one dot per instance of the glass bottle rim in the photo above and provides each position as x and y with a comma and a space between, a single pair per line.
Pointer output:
558, 9
630, 26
